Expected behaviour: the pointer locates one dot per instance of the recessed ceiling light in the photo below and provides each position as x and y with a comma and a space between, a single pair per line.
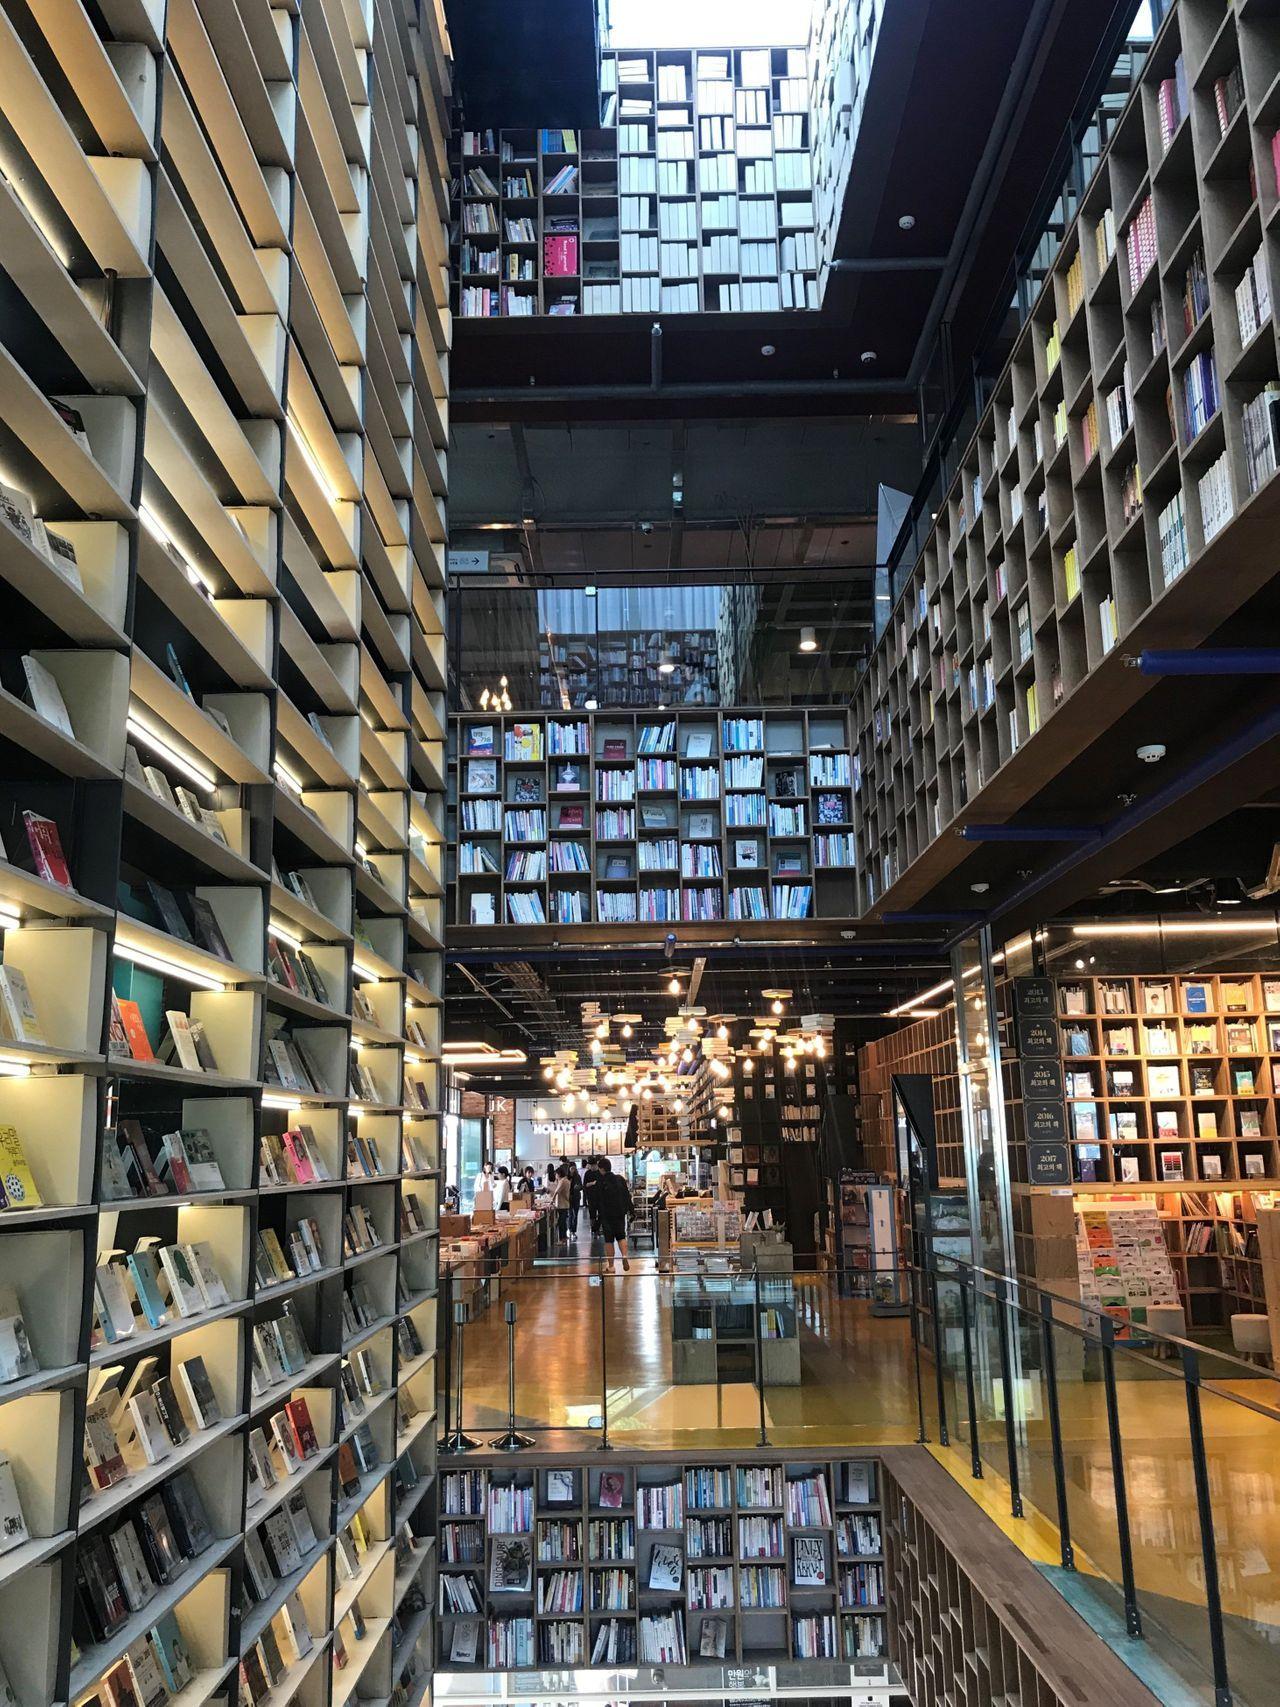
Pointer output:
591, 705
979, 888
906, 221
768, 350
868, 356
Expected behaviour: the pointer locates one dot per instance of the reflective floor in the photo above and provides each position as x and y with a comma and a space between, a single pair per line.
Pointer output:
590, 1346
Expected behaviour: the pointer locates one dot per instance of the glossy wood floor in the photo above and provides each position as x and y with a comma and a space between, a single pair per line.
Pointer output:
581, 1346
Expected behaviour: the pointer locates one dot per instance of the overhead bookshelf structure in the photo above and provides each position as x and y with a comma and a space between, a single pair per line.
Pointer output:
695, 195
1118, 482
664, 1560
682, 816
224, 412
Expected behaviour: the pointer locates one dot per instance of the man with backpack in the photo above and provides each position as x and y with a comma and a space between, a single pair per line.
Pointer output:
614, 1200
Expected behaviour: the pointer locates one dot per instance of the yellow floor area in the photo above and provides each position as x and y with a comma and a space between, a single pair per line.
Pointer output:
580, 1346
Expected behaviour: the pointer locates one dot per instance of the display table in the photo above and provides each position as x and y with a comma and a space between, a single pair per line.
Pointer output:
479, 1251
698, 1223
713, 1335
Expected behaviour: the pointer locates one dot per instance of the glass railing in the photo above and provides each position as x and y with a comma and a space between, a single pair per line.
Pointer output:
1141, 1472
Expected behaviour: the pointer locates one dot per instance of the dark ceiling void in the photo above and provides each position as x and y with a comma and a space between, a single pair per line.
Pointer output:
536, 62
1155, 822
964, 132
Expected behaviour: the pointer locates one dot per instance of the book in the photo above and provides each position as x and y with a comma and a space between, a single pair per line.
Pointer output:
139, 1044
151, 1434
18, 1189
115, 1313
102, 1455
184, 1043
46, 849
13, 1525
131, 1566
183, 1284
46, 696
193, 1378
172, 1652
211, 1284
666, 1568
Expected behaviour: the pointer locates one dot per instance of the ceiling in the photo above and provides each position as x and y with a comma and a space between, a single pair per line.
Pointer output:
966, 154
534, 1001
534, 63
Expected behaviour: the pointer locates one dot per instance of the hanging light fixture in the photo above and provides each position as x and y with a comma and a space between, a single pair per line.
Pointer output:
808, 639
499, 700
666, 661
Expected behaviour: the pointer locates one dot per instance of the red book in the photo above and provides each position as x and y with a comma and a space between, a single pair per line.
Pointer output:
46, 849
571, 817
301, 1427
131, 1018
560, 257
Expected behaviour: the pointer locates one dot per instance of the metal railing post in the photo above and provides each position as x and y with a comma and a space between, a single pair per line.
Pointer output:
923, 1436
605, 1443
1006, 1382
1208, 1541
759, 1344
1107, 1346
1049, 1354
971, 1396
944, 1437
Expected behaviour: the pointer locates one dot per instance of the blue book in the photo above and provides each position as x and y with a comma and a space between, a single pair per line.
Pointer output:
1197, 999
172, 1653
145, 1272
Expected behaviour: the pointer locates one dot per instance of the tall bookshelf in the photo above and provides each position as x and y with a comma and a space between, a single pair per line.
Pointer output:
773, 1555
695, 196
682, 816
223, 401
1106, 497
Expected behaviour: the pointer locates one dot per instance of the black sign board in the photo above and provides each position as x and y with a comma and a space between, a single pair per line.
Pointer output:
1042, 1079
1034, 996
1037, 1036
1049, 1164
1046, 1122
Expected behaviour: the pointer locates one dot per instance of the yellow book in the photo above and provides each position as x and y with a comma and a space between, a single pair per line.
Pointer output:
20, 1189
1033, 709
1071, 573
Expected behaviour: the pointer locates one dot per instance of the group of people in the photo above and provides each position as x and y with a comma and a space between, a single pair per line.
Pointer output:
604, 1194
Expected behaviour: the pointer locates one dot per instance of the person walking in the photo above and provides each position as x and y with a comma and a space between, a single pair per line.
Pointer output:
591, 1178
575, 1198
560, 1194
615, 1211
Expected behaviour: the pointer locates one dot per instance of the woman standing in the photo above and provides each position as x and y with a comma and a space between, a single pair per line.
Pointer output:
591, 1194
575, 1198
560, 1193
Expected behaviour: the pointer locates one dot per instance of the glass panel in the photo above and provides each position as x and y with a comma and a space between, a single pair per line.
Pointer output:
1168, 1563
714, 643
1242, 1450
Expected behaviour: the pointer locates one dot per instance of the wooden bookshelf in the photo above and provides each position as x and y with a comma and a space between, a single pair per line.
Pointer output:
1043, 568
239, 439
953, 1639
1172, 1075
694, 196
695, 1507
622, 819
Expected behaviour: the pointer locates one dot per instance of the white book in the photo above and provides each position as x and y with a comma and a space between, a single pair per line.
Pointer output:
200, 1257
183, 1042
46, 696
13, 1525
150, 1431
17, 1010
